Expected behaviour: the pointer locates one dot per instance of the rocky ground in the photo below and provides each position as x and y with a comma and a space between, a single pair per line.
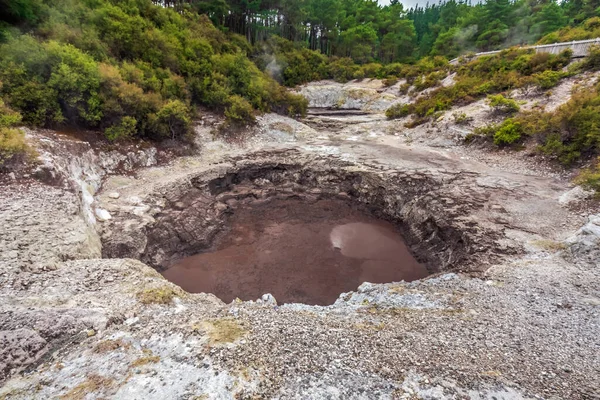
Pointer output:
512, 310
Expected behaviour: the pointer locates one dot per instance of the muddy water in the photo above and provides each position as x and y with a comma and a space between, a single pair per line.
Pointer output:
300, 253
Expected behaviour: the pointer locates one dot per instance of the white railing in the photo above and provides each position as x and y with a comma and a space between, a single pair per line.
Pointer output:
580, 48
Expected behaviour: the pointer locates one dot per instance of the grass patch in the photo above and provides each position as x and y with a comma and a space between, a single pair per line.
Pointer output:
221, 331
145, 360
280, 126
161, 295
549, 245
92, 384
589, 178
106, 346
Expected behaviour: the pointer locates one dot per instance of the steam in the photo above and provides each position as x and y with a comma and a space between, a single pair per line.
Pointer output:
274, 69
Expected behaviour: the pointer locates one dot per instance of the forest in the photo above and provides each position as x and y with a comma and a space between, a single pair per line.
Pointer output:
141, 68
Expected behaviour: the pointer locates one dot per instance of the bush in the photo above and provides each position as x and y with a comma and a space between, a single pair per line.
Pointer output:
398, 111
390, 81
403, 89
343, 69
171, 121
13, 147
508, 132
461, 118
136, 69
295, 105
502, 104
590, 177
547, 79
429, 80
592, 61
125, 129
239, 111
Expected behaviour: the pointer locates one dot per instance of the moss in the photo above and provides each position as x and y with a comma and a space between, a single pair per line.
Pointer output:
549, 245
160, 295
221, 331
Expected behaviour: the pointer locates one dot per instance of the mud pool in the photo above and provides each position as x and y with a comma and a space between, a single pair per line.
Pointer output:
299, 252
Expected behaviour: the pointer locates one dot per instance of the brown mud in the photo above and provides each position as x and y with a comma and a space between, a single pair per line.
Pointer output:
299, 252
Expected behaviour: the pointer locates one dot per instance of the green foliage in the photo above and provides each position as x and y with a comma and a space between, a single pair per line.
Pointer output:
570, 132
506, 133
126, 128
592, 61
343, 69
239, 110
589, 29
430, 80
132, 69
548, 79
502, 104
509, 132
398, 111
590, 177
13, 146
390, 81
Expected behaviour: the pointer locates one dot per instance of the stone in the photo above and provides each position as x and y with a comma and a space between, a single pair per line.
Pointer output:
114, 195
577, 194
102, 215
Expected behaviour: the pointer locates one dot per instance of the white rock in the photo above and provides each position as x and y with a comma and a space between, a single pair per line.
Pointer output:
574, 195
135, 200
114, 195
102, 214
269, 299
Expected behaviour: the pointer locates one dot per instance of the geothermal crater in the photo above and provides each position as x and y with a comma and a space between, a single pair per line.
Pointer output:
300, 252
304, 234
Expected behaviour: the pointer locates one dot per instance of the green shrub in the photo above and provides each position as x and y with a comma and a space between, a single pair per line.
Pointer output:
547, 79
460, 118
137, 69
239, 111
509, 132
502, 104
13, 146
398, 111
172, 120
592, 61
590, 177
295, 105
125, 129
390, 81
342, 69
403, 89
371, 70
430, 80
